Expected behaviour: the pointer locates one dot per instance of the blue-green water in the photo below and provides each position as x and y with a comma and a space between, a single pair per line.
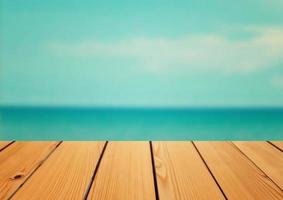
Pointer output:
27, 123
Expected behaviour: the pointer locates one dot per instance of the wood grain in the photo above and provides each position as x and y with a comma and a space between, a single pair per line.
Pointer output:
18, 161
65, 175
125, 172
266, 157
238, 177
3, 144
279, 144
181, 174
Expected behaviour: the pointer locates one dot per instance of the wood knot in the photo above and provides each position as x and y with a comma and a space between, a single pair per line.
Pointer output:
17, 176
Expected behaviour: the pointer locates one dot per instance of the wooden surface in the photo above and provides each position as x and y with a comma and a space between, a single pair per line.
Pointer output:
134, 170
181, 174
236, 174
267, 158
124, 173
18, 161
65, 175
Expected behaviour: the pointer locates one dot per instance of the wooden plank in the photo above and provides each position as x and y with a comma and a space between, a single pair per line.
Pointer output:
18, 161
65, 175
266, 157
238, 177
279, 144
181, 173
3, 144
125, 172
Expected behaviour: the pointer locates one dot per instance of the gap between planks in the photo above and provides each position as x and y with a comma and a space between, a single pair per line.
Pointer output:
5, 144
210, 171
95, 171
154, 171
277, 144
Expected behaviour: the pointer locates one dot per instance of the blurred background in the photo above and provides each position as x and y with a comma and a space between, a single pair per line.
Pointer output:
141, 70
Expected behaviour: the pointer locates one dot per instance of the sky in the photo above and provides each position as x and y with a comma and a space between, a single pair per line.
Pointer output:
146, 53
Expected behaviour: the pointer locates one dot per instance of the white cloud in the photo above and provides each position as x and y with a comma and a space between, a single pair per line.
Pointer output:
209, 52
273, 3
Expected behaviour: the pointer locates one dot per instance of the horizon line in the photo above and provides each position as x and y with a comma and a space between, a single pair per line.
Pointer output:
141, 107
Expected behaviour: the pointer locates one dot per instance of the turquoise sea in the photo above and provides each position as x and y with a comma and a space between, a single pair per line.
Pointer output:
47, 123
